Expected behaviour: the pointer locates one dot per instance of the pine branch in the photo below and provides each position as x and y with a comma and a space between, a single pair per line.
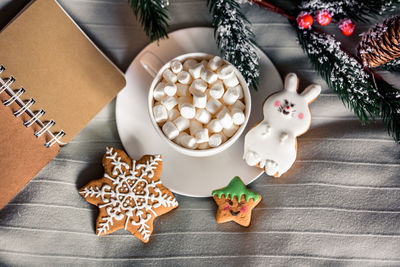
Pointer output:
390, 108
153, 16
357, 10
359, 91
234, 38
393, 65
364, 10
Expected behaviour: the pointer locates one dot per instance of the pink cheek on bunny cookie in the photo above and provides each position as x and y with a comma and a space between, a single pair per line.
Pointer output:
301, 116
277, 103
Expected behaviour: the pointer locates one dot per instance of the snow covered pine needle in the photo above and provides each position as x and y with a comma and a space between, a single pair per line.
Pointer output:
360, 91
234, 38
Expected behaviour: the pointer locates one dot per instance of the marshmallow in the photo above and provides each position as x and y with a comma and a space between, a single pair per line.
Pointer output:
169, 102
240, 89
225, 118
184, 77
202, 136
215, 63
229, 132
231, 81
208, 76
160, 113
238, 104
231, 95
170, 130
203, 116
186, 140
158, 92
237, 116
173, 114
187, 110
185, 105
176, 66
215, 140
196, 70
215, 126
170, 76
189, 63
217, 90
204, 62
170, 89
203, 146
198, 85
213, 106
194, 126
178, 139
199, 99
184, 99
182, 123
224, 138
182, 89
225, 72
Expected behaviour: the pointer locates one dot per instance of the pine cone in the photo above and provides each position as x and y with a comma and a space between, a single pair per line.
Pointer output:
381, 44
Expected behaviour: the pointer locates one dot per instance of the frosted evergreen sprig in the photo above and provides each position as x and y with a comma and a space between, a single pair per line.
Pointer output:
393, 65
333, 7
153, 16
358, 10
234, 38
368, 97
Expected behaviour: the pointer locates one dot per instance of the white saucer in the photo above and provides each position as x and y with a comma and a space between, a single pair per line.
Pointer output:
195, 177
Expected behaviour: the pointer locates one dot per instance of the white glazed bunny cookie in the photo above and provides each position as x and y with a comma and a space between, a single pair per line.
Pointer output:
272, 143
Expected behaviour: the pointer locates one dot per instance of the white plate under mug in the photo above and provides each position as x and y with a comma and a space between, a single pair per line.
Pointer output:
185, 175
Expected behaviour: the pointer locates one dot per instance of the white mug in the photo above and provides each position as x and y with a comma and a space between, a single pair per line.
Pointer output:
155, 67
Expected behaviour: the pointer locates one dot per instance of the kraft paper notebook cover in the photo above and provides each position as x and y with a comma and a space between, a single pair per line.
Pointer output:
66, 81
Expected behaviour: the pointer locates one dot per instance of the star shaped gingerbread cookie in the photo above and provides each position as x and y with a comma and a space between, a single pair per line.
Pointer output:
235, 202
130, 195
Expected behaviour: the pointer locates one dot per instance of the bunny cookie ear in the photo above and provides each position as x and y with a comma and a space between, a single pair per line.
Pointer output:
311, 92
291, 82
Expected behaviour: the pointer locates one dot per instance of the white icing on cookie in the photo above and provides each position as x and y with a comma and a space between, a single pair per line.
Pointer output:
272, 143
132, 197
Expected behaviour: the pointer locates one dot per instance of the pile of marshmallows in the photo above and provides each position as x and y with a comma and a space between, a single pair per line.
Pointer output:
198, 104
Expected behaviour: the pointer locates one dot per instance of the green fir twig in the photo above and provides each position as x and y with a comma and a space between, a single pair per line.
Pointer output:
153, 16
393, 66
367, 96
235, 38
357, 10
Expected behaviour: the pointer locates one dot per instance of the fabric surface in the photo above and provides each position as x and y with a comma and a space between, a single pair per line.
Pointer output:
338, 205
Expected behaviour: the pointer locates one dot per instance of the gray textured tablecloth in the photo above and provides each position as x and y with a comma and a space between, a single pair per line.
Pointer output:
339, 205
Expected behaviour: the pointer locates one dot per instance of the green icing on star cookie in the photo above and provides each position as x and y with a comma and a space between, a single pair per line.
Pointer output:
236, 188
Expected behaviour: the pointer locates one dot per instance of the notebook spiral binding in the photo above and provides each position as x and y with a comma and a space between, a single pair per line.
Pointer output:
25, 108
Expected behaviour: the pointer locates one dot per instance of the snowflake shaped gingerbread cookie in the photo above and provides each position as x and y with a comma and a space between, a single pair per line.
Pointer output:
130, 195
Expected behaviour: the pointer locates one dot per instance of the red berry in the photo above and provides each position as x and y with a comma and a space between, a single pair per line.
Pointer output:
323, 17
347, 27
304, 20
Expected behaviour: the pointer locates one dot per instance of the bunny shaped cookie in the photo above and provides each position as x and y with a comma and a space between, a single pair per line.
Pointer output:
271, 144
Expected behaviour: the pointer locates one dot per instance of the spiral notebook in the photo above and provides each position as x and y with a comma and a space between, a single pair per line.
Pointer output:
53, 81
